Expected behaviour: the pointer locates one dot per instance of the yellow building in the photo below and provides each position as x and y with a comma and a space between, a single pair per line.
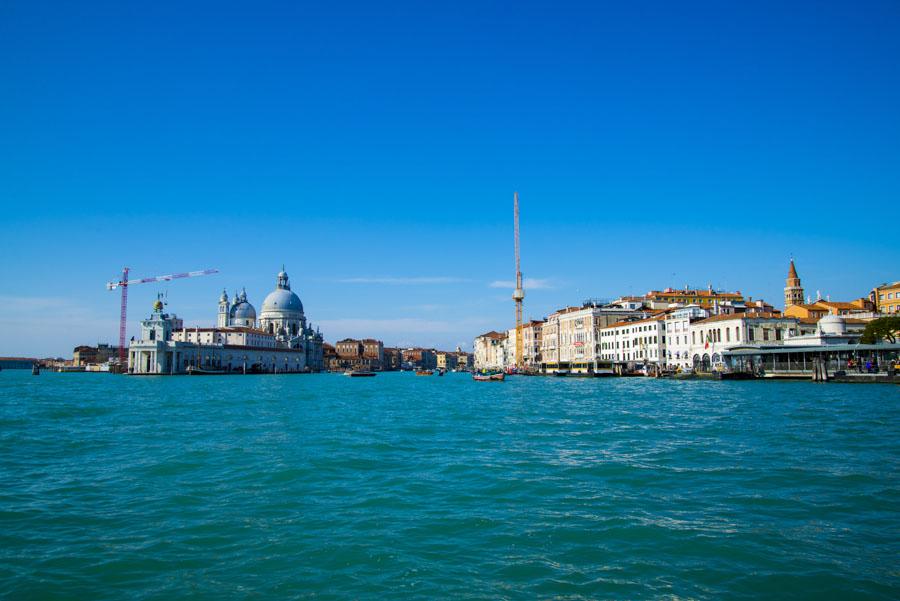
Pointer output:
660, 299
886, 298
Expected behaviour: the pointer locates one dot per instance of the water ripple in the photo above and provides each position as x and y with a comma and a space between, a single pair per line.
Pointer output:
422, 488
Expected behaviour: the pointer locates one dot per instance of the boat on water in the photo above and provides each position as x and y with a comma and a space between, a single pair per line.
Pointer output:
193, 370
424, 372
359, 373
35, 370
736, 375
497, 377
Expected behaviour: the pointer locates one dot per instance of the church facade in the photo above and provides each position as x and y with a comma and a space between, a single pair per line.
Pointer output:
279, 341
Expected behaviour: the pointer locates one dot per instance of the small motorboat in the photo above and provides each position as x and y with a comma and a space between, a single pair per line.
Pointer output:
498, 377
35, 370
193, 370
424, 372
359, 373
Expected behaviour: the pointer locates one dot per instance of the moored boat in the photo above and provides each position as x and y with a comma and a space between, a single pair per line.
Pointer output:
424, 372
193, 370
498, 377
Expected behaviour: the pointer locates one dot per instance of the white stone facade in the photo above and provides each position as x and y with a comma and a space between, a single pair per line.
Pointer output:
639, 342
281, 341
490, 351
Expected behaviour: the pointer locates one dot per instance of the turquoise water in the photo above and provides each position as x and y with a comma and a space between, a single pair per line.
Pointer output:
403, 487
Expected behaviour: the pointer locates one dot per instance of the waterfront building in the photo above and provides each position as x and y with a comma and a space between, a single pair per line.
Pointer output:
532, 335
393, 359
633, 343
446, 360
282, 341
570, 337
463, 360
82, 356
420, 358
886, 298
373, 351
350, 353
793, 290
718, 333
330, 359
349, 349
678, 335
490, 351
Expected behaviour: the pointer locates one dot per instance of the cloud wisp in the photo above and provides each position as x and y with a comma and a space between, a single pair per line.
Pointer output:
530, 284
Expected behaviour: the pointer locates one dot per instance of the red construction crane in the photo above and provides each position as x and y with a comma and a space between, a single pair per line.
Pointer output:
124, 283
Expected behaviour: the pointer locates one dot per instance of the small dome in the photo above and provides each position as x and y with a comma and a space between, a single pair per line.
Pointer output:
157, 305
243, 310
832, 325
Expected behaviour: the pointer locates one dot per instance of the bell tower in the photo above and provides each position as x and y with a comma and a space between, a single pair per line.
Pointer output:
793, 291
224, 306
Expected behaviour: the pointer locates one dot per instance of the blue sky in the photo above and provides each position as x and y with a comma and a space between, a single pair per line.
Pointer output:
374, 150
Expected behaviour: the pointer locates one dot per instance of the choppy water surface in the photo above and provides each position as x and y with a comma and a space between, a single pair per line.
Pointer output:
403, 487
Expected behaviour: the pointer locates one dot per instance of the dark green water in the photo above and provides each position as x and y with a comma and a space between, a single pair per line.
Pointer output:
398, 487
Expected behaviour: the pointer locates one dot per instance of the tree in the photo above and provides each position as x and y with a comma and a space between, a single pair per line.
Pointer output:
883, 328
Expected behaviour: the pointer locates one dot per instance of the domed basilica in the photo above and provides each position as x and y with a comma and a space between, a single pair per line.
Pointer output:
282, 315
279, 341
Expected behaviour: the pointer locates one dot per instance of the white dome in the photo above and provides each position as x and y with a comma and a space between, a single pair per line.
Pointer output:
832, 325
243, 310
281, 302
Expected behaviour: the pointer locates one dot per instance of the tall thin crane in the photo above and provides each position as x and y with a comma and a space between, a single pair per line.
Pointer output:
519, 292
124, 283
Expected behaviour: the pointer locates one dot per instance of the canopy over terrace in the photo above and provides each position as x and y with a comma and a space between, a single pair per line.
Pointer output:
801, 360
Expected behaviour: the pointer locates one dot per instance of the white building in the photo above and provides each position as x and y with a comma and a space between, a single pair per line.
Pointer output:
637, 343
490, 351
281, 342
713, 335
678, 335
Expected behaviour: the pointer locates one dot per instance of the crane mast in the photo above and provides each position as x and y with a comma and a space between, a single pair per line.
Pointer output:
519, 292
123, 285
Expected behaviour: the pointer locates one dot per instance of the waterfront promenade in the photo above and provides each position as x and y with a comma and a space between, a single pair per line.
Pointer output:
421, 488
